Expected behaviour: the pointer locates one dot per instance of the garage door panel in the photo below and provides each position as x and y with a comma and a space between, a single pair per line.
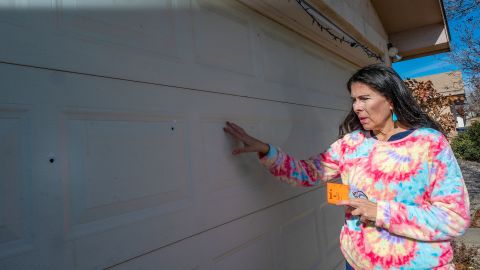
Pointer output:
232, 186
143, 39
279, 58
312, 77
102, 244
255, 254
121, 145
120, 165
330, 221
300, 240
98, 142
218, 32
321, 74
27, 15
144, 27
15, 180
300, 131
181, 43
224, 170
324, 81
239, 245
298, 138
230, 199
127, 172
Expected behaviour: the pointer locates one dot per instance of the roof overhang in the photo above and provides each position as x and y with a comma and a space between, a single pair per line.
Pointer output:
415, 28
291, 15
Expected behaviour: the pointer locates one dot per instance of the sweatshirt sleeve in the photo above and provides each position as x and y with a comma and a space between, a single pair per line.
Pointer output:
309, 172
444, 210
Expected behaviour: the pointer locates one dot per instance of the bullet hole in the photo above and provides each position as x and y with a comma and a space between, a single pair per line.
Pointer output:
52, 160
173, 128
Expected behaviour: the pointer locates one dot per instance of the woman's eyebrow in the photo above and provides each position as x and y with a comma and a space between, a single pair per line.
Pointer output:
366, 95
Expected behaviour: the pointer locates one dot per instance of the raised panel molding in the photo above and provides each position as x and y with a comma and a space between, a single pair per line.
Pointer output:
123, 163
15, 181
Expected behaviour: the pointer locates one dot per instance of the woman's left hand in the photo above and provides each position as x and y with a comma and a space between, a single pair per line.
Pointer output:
364, 208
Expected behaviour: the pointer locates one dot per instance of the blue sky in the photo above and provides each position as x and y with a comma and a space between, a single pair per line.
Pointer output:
424, 66
435, 63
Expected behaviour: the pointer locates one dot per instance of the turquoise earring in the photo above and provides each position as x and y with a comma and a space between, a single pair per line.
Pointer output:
394, 117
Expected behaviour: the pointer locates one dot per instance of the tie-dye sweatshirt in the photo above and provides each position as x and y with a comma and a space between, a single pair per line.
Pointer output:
422, 201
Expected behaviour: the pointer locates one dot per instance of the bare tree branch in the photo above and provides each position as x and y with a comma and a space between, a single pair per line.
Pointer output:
465, 52
460, 8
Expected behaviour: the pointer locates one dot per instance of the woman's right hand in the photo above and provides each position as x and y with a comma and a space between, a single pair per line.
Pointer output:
250, 144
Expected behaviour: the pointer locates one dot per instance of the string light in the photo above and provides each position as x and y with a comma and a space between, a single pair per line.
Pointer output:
345, 38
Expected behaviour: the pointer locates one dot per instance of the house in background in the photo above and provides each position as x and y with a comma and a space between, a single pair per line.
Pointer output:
111, 116
450, 85
472, 120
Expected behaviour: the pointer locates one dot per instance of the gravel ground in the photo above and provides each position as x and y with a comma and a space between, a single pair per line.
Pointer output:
471, 175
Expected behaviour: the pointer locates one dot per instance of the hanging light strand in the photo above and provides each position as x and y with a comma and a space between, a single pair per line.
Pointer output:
344, 38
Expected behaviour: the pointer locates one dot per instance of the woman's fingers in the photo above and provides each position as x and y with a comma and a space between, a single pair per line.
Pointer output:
364, 208
234, 133
250, 143
364, 219
237, 132
356, 212
240, 134
236, 127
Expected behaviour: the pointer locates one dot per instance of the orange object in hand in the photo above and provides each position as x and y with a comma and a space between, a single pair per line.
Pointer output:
337, 192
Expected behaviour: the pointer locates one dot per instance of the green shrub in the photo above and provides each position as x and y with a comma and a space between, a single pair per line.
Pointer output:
466, 145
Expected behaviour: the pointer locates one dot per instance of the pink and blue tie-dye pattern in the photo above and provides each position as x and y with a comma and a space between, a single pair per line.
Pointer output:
421, 198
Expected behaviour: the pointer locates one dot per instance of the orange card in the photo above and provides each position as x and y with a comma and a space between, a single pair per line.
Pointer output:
337, 192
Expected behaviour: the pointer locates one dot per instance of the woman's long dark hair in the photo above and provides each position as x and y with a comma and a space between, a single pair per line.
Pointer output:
387, 82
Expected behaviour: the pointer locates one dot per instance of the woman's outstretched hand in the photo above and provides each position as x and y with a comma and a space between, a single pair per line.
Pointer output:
250, 143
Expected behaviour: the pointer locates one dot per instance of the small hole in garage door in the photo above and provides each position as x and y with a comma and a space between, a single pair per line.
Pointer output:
51, 158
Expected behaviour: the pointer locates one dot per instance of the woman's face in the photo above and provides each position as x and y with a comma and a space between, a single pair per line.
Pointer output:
372, 108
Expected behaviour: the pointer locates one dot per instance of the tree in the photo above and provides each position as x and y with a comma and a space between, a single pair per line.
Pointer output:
474, 100
467, 144
464, 15
460, 8
434, 104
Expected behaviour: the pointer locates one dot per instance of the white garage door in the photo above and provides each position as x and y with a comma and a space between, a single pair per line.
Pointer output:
112, 149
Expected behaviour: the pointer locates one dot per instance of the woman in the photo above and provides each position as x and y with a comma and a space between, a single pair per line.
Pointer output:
408, 198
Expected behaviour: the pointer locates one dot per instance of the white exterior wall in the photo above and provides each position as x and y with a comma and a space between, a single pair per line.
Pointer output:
113, 153
460, 123
361, 17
